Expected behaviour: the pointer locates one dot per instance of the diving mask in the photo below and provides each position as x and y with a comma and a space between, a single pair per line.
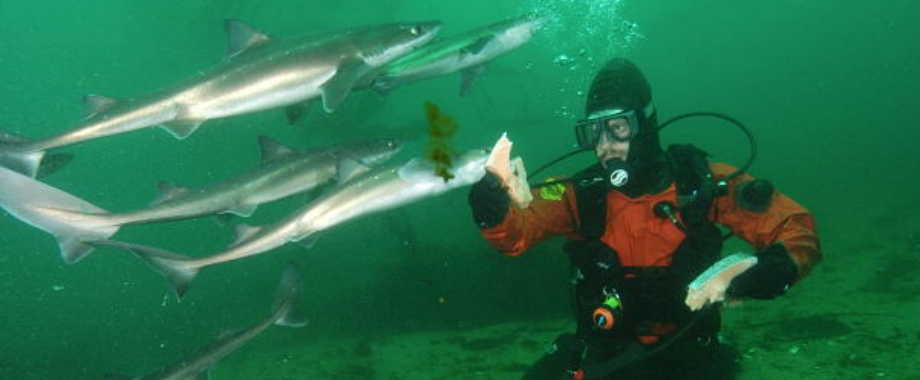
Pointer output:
619, 125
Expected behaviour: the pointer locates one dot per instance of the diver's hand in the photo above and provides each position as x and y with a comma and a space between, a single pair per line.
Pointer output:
773, 274
489, 201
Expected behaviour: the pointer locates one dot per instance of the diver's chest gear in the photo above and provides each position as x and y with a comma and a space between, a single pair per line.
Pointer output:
623, 301
619, 300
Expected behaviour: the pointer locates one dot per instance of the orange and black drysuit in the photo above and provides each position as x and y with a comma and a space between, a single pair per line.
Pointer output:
628, 243
641, 238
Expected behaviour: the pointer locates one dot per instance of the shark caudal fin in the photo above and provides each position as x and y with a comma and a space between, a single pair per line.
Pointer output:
14, 157
286, 310
175, 267
71, 220
35, 164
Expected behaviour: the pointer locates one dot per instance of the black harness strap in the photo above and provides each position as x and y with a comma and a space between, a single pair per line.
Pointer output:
591, 199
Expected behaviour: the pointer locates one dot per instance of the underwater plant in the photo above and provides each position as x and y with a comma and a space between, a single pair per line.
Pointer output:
441, 128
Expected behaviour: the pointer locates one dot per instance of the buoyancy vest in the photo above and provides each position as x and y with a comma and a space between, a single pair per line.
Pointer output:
650, 296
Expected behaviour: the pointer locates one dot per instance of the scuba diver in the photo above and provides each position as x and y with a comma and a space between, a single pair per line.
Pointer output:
641, 225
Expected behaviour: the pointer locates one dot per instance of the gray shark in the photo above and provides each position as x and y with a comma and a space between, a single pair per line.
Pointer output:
258, 73
284, 313
283, 172
465, 52
378, 190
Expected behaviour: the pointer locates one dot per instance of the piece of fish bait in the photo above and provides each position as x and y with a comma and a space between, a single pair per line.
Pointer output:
511, 172
709, 287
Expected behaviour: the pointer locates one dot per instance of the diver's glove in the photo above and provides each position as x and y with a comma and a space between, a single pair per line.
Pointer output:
489, 201
773, 274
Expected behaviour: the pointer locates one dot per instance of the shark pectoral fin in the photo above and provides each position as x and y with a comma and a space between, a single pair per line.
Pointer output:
347, 168
168, 191
242, 37
468, 77
272, 149
477, 46
243, 233
96, 104
337, 88
52, 163
182, 129
296, 112
243, 210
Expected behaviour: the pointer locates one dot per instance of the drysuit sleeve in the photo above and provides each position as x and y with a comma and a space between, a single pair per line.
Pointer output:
782, 221
553, 212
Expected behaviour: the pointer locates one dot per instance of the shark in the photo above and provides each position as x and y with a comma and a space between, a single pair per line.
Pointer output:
285, 312
283, 172
466, 52
258, 73
378, 190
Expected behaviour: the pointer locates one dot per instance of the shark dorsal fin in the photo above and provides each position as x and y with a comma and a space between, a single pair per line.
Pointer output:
242, 37
272, 149
95, 104
243, 233
168, 191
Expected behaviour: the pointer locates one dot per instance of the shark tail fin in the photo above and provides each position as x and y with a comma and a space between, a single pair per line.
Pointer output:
71, 220
286, 310
14, 156
178, 269
53, 162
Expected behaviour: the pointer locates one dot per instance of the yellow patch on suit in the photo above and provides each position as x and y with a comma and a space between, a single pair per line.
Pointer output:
552, 192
